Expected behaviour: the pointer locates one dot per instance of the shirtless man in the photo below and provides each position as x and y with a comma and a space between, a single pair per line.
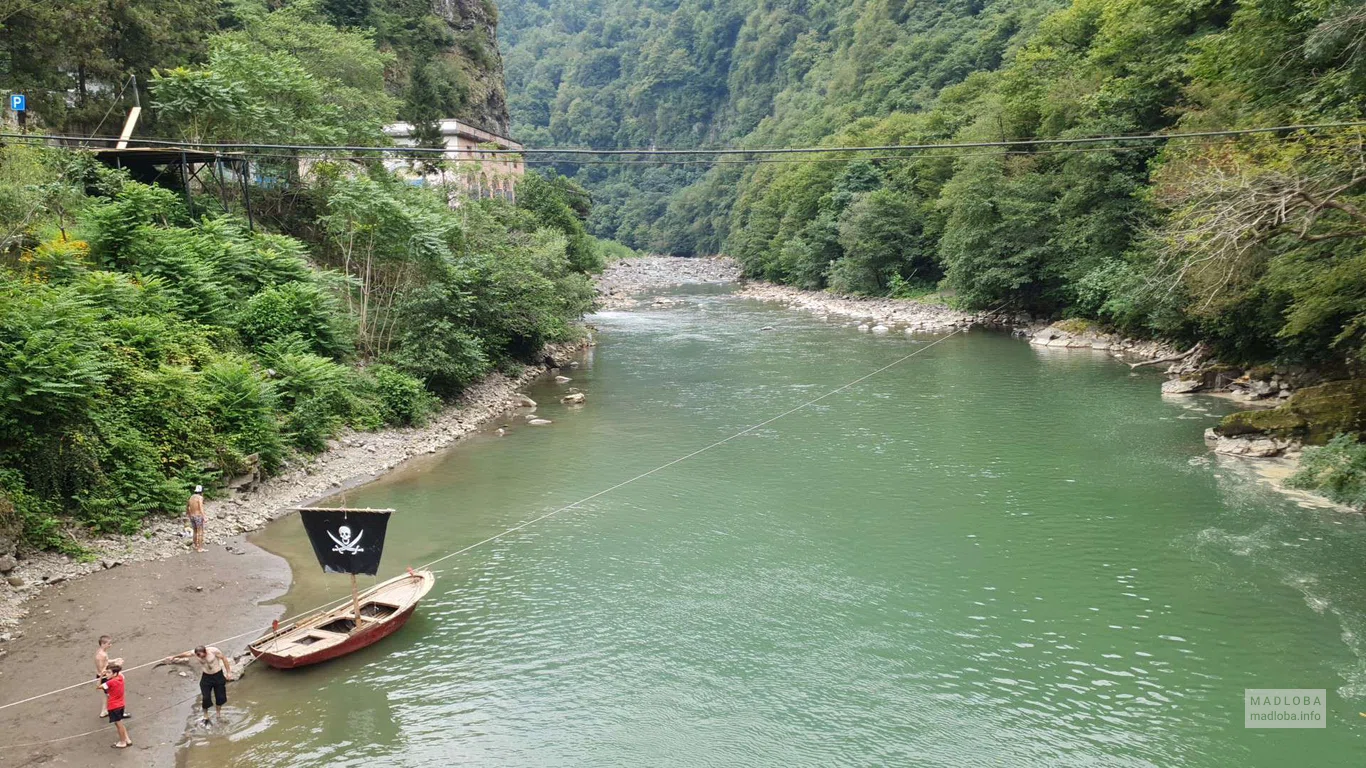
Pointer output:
102, 663
194, 509
215, 669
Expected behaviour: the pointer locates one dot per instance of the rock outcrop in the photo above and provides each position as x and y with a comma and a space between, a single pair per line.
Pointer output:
1309, 416
473, 27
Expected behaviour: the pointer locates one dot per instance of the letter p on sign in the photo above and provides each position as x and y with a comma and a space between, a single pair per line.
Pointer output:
17, 102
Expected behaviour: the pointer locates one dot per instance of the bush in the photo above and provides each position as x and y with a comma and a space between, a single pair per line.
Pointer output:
242, 404
320, 396
610, 251
293, 309
1336, 470
27, 517
441, 354
403, 399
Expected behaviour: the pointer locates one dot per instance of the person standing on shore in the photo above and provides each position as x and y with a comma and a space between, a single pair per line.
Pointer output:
102, 664
194, 509
112, 683
215, 669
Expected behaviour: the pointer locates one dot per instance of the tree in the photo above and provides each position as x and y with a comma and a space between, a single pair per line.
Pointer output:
880, 236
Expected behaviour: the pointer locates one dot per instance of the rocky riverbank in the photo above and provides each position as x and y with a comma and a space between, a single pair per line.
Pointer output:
880, 315
620, 285
350, 460
1290, 407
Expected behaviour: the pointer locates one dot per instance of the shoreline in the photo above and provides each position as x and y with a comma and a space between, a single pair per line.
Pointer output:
352, 459
36, 623
242, 579
145, 591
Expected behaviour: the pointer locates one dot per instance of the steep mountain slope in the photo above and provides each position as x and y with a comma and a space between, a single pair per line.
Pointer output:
698, 73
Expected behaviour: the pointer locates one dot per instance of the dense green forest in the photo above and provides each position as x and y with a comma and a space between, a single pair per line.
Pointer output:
1254, 245
147, 346
71, 57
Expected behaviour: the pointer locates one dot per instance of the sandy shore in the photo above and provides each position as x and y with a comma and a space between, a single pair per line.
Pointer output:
152, 609
156, 597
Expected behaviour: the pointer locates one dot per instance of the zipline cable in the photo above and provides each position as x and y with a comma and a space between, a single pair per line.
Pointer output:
227, 146
565, 508
346, 155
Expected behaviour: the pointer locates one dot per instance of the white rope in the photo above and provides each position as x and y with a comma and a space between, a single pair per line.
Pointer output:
565, 508
699, 451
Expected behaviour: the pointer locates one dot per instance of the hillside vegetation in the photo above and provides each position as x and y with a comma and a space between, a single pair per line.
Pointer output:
1253, 245
146, 347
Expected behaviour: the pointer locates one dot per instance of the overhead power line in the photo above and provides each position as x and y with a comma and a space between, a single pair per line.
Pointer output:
938, 151
574, 151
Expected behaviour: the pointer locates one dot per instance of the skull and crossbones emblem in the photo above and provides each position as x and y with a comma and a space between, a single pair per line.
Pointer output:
345, 544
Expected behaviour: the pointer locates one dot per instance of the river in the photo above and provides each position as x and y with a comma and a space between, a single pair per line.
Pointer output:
991, 554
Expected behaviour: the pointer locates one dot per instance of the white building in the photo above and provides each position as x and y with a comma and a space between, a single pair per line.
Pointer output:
469, 166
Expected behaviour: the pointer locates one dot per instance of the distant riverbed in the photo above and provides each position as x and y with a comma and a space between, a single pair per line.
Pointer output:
993, 554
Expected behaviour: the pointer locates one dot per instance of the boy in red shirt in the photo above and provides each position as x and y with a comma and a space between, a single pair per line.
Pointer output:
113, 688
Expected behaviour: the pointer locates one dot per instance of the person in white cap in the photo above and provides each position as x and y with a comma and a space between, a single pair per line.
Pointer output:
194, 510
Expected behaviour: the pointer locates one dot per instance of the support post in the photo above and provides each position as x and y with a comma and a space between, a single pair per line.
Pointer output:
222, 184
246, 192
185, 179
355, 599
128, 124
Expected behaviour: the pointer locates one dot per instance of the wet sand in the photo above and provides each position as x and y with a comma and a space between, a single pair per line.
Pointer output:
152, 609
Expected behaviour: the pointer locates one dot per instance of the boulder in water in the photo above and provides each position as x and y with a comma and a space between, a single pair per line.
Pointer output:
522, 401
574, 398
880, 328
540, 422
1182, 386
562, 379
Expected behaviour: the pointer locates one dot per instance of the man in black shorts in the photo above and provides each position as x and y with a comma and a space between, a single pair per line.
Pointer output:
215, 670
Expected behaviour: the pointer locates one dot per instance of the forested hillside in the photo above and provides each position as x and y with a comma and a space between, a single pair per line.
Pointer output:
74, 58
1254, 245
148, 345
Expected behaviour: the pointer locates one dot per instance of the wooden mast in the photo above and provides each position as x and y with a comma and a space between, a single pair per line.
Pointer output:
355, 599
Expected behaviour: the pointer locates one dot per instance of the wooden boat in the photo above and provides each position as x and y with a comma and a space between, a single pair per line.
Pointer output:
382, 611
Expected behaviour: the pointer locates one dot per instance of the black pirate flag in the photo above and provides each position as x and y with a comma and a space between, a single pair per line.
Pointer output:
347, 540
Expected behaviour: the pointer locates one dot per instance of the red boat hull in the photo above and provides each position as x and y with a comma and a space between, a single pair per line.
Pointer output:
367, 636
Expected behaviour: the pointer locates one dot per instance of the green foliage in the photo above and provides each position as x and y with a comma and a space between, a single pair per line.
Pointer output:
1336, 470
242, 406
1253, 246
561, 204
404, 400
304, 310
73, 58
879, 234
143, 352
24, 515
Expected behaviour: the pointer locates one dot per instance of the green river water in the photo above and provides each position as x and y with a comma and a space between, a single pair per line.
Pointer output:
991, 555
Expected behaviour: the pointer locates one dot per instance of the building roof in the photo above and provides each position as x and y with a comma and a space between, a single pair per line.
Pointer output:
453, 127
149, 156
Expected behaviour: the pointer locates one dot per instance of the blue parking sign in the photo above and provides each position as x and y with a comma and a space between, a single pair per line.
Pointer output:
17, 102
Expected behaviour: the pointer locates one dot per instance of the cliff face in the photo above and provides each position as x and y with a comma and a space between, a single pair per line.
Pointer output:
474, 26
